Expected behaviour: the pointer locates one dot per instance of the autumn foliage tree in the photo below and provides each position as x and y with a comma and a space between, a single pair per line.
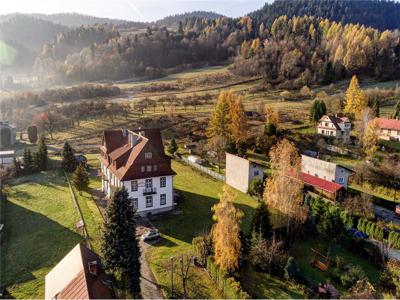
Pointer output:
284, 188
225, 232
355, 101
220, 122
238, 121
371, 139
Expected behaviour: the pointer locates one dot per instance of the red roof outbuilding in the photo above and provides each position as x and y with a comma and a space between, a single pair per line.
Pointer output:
392, 124
320, 183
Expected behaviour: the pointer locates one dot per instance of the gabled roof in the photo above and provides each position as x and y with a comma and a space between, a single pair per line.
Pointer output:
71, 279
320, 183
125, 153
392, 124
335, 120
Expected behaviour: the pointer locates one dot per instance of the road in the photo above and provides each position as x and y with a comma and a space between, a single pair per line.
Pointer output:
386, 214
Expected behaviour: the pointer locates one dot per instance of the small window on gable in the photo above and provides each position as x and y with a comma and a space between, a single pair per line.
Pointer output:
148, 155
142, 169
155, 168
148, 168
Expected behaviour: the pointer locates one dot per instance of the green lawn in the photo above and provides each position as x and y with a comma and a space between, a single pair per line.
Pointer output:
200, 194
40, 230
303, 255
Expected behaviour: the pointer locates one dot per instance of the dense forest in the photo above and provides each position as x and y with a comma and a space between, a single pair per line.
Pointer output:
175, 19
374, 13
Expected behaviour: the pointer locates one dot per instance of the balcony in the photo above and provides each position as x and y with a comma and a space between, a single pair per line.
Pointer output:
149, 191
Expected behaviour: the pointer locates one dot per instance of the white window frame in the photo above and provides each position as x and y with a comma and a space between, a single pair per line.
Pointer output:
149, 198
134, 186
163, 199
163, 182
149, 183
148, 168
148, 155
135, 203
142, 169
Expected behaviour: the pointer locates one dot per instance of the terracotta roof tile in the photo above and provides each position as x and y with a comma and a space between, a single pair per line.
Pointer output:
392, 124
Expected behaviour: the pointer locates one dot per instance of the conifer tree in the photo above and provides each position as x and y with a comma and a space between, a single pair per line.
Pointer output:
355, 100
220, 123
238, 122
290, 269
80, 179
172, 147
42, 155
318, 109
261, 223
397, 110
120, 246
375, 107
32, 134
226, 232
68, 161
28, 161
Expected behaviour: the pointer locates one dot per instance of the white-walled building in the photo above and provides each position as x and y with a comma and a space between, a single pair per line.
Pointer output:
389, 129
136, 160
334, 126
240, 172
325, 170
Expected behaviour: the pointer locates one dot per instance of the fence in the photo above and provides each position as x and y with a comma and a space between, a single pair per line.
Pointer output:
203, 169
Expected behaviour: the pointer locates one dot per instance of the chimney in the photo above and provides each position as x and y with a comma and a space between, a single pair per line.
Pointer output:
93, 268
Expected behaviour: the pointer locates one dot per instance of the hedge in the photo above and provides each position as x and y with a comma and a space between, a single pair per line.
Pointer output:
231, 289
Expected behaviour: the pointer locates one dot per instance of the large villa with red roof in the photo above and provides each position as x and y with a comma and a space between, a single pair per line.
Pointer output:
136, 160
389, 129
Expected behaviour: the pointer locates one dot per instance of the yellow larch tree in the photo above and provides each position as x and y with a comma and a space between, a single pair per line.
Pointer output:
371, 139
355, 101
219, 123
226, 232
238, 121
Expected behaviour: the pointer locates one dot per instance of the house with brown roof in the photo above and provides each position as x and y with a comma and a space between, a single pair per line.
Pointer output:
136, 160
79, 275
389, 129
336, 126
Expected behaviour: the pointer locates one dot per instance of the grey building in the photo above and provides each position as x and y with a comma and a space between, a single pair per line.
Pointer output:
7, 135
240, 172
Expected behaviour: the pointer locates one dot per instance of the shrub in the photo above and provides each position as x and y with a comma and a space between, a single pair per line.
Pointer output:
339, 261
202, 248
305, 91
228, 285
32, 134
290, 269
286, 94
351, 276
256, 187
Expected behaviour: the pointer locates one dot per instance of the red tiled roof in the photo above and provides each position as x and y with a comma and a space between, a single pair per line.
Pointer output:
130, 158
392, 124
320, 183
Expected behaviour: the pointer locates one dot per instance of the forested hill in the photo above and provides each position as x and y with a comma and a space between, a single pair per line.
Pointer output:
77, 20
374, 13
175, 19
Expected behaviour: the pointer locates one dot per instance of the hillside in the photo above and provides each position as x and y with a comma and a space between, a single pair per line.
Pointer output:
175, 19
374, 13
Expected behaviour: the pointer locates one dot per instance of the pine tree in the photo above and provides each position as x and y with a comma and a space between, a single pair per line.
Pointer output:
80, 179
355, 100
375, 107
172, 147
120, 246
261, 223
318, 109
68, 161
42, 155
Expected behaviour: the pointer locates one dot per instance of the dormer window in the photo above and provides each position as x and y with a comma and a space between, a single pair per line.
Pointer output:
148, 155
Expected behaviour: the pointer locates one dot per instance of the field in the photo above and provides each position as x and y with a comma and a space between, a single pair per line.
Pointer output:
196, 218
40, 230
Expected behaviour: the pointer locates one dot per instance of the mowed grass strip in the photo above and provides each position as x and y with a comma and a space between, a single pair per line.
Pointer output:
40, 222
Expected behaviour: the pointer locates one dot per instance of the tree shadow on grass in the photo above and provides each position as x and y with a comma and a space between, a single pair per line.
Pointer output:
32, 242
196, 217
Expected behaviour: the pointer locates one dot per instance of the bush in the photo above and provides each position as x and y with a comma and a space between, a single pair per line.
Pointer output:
305, 91
202, 248
339, 261
351, 276
32, 134
230, 288
290, 269
256, 187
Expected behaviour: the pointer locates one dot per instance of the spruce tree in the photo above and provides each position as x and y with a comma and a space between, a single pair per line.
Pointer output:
68, 161
261, 223
318, 109
80, 179
42, 155
28, 161
397, 110
172, 147
120, 247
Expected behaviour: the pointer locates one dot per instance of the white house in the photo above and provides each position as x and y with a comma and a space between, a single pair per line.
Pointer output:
240, 172
389, 129
334, 126
325, 170
7, 158
136, 160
